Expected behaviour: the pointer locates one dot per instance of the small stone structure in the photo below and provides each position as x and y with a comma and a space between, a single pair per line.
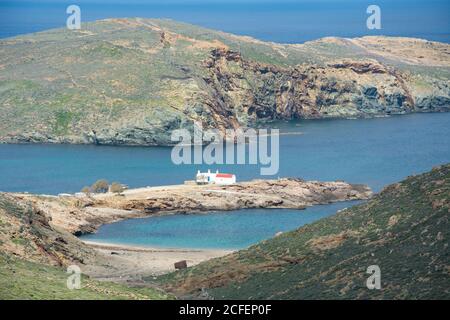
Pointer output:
180, 265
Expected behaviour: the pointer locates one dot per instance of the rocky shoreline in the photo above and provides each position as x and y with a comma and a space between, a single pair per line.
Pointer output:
44, 229
79, 214
128, 92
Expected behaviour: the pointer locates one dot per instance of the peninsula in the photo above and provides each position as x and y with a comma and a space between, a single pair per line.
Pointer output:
133, 81
43, 229
404, 225
79, 214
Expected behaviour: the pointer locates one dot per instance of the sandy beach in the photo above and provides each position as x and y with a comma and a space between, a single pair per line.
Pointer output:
123, 263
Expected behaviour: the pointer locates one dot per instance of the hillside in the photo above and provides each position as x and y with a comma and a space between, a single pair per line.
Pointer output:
404, 230
26, 280
131, 81
34, 256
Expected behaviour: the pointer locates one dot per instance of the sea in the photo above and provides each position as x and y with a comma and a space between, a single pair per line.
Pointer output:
376, 151
286, 21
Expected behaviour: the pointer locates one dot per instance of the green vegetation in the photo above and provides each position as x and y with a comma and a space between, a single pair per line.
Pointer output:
20, 279
116, 187
86, 190
404, 230
100, 186
132, 81
105, 50
63, 119
32, 254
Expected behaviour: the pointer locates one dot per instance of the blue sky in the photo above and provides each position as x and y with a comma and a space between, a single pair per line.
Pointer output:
291, 21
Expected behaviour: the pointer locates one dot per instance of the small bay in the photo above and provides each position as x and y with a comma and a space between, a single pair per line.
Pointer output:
376, 152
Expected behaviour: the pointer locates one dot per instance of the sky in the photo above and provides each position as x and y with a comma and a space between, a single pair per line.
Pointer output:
287, 21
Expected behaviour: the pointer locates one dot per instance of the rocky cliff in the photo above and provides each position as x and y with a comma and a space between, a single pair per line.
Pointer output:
27, 232
132, 81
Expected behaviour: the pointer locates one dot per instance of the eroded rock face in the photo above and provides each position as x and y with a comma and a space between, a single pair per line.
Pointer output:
28, 232
134, 81
84, 215
243, 92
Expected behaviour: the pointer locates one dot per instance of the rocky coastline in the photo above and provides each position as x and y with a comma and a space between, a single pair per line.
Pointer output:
126, 92
80, 214
44, 229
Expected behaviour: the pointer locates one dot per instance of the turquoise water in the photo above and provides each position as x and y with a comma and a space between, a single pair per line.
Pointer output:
376, 151
372, 151
225, 230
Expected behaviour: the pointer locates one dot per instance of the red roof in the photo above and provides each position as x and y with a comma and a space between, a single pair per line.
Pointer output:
224, 175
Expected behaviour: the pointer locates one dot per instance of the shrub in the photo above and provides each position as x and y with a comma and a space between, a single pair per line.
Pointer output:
116, 187
100, 186
86, 190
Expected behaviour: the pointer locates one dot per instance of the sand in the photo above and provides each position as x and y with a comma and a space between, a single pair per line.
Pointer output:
124, 263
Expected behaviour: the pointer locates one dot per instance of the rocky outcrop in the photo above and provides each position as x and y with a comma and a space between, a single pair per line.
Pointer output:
79, 215
28, 232
35, 256
283, 193
349, 88
108, 88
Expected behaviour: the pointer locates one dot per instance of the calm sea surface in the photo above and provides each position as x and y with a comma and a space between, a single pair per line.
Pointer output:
225, 230
376, 152
288, 21
372, 151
